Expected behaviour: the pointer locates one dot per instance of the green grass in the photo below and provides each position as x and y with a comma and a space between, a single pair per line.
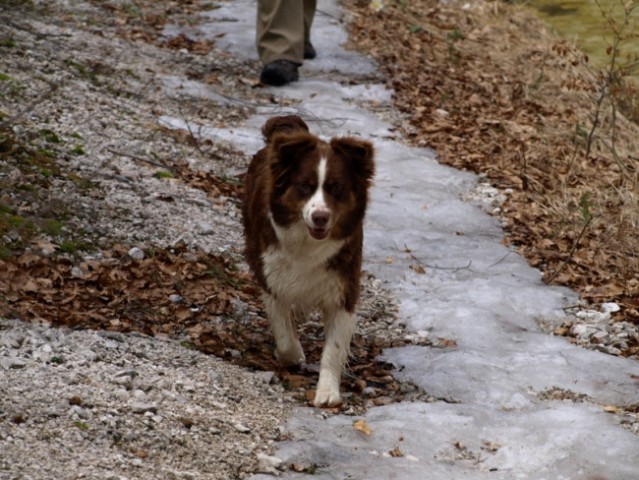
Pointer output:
81, 425
163, 174
52, 227
49, 135
77, 150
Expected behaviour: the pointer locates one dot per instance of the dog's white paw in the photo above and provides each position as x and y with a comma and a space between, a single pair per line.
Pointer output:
293, 355
327, 394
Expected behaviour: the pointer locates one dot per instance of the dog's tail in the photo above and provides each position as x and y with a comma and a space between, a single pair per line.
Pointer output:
283, 124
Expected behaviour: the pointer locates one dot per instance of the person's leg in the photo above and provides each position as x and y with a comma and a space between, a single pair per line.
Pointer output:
309, 13
280, 30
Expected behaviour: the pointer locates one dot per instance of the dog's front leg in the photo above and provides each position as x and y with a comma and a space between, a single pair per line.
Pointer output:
288, 349
338, 330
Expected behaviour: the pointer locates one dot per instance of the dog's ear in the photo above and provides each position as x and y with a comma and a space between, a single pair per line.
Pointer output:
288, 149
285, 153
283, 124
358, 154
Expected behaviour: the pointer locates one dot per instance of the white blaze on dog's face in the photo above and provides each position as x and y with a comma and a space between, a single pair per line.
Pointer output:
315, 212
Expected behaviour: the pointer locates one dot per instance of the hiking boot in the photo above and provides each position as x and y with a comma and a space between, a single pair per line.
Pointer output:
309, 51
279, 72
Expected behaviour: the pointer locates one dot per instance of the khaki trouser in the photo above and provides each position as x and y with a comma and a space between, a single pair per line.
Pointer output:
282, 28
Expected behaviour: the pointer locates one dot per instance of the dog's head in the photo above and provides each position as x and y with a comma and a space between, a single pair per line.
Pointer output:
323, 184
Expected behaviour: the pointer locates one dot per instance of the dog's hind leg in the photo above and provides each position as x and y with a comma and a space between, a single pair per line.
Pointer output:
288, 349
339, 326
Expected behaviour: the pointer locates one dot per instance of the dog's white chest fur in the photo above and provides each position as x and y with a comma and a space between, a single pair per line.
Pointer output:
296, 271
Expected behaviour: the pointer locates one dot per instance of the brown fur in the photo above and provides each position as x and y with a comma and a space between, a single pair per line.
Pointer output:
303, 216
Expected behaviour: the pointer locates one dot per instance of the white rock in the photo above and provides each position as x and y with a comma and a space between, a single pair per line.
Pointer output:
268, 463
205, 228
121, 394
77, 272
591, 315
240, 427
579, 330
600, 336
610, 307
136, 253
13, 362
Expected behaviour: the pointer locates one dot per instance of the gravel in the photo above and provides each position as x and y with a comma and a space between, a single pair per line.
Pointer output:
594, 327
86, 404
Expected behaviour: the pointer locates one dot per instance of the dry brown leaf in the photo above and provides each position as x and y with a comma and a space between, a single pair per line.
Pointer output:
396, 452
490, 446
418, 269
361, 426
446, 343
612, 409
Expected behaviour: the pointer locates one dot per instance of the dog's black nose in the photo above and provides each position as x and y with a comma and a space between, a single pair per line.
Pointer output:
320, 218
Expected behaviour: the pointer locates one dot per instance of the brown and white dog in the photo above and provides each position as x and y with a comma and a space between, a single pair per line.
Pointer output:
303, 224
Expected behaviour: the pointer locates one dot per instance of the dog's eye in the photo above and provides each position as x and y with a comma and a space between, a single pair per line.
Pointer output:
305, 188
334, 189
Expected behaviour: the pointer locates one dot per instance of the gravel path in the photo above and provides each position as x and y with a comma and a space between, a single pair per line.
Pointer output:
84, 404
87, 87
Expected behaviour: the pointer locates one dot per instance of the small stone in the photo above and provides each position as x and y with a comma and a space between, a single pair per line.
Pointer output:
579, 330
121, 394
607, 349
265, 377
240, 427
600, 336
370, 392
591, 315
13, 363
268, 463
112, 336
82, 413
610, 307
204, 228
12, 340
77, 272
136, 253
47, 250
234, 353
175, 298
141, 408
139, 395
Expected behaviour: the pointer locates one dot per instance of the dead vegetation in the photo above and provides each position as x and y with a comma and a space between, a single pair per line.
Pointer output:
491, 90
